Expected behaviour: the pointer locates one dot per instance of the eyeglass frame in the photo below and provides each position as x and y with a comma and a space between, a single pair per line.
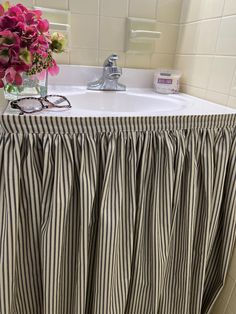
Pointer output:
14, 105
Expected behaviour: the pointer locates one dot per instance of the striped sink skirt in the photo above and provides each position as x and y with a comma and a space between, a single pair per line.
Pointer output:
115, 215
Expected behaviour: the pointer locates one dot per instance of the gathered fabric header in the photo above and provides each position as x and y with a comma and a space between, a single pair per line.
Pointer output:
91, 126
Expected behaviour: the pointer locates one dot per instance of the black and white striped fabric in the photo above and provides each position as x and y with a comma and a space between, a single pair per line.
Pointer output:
115, 215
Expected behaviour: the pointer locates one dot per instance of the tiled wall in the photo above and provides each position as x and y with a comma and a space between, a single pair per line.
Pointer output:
206, 54
98, 29
206, 49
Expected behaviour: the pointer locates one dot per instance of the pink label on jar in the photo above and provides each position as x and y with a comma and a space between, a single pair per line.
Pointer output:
164, 81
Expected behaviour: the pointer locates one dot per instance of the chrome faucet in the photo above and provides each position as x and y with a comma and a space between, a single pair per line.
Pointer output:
110, 76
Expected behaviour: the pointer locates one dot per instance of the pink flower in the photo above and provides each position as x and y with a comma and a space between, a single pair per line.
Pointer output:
30, 18
8, 22
15, 11
9, 47
2, 74
22, 8
18, 79
1, 10
10, 75
54, 69
43, 26
13, 77
21, 67
7, 38
37, 13
30, 33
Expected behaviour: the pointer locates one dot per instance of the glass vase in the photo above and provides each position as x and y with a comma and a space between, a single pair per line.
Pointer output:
32, 86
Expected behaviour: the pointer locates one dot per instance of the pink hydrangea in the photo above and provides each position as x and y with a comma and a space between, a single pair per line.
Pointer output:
25, 44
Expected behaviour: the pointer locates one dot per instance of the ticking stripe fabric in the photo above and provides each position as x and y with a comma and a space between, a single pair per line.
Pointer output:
115, 215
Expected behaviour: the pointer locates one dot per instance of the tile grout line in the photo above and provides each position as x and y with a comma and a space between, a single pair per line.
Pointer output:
99, 32
231, 86
208, 19
178, 35
206, 55
214, 55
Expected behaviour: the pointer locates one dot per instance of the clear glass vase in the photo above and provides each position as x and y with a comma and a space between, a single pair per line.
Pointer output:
32, 86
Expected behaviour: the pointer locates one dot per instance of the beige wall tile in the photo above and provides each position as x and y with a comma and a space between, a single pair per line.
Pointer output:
187, 38
113, 33
57, 16
199, 37
200, 70
84, 56
232, 103
169, 11
162, 61
84, 7
137, 61
206, 37
62, 58
222, 74
230, 7
233, 93
167, 42
143, 9
194, 91
55, 4
196, 70
183, 63
191, 10
27, 3
217, 98
80, 37
211, 8
114, 8
226, 44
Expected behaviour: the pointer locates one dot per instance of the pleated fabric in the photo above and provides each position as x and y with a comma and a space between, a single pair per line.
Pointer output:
115, 215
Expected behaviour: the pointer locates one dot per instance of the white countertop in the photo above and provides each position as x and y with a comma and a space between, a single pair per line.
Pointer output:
133, 102
138, 100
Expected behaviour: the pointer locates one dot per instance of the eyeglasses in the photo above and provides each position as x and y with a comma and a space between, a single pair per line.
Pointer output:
33, 104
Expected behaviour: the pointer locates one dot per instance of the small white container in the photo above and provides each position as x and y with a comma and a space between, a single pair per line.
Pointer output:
166, 81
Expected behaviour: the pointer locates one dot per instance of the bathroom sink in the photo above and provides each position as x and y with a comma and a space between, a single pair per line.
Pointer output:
122, 102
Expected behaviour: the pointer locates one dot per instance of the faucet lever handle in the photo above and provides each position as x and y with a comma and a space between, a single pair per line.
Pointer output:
111, 60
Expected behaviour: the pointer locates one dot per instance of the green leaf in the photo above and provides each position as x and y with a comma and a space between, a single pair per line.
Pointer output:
6, 5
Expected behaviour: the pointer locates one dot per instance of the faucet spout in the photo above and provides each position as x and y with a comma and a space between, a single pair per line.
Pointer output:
110, 76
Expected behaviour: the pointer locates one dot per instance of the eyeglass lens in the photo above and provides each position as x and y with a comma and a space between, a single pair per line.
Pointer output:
57, 101
31, 104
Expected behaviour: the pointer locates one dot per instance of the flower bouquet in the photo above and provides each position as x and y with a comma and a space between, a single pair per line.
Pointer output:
26, 51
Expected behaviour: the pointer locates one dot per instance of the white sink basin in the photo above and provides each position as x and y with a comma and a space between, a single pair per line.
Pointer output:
122, 102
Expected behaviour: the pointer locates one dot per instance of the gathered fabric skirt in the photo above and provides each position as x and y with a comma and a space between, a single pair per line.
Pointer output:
115, 216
